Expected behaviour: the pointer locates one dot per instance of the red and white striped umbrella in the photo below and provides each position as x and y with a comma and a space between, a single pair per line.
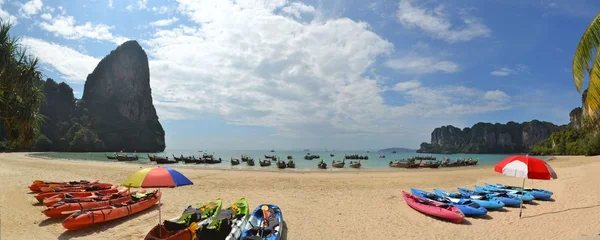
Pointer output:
525, 167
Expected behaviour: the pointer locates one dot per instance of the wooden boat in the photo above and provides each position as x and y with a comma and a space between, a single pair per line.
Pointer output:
414, 164
331, 155
322, 165
355, 164
182, 158
110, 157
281, 164
399, 164
269, 157
289, 157
435, 164
250, 162
234, 162
338, 164
88, 217
471, 162
213, 161
152, 158
164, 161
127, 158
291, 164
244, 158
265, 163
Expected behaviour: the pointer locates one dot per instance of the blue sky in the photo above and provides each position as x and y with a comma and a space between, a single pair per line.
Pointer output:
339, 74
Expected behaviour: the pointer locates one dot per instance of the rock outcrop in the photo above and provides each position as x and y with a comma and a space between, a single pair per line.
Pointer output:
118, 99
511, 137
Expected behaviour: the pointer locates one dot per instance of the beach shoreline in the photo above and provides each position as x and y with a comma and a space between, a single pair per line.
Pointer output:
353, 204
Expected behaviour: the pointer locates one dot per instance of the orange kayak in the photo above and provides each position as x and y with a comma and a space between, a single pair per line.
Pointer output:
71, 188
64, 209
76, 193
38, 184
83, 196
87, 217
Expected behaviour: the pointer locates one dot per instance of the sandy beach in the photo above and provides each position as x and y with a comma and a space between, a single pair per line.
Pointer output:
318, 205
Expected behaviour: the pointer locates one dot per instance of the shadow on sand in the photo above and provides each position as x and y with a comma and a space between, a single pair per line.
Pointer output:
484, 217
101, 227
561, 211
50, 221
285, 231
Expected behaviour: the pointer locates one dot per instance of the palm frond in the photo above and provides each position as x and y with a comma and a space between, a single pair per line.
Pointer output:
585, 54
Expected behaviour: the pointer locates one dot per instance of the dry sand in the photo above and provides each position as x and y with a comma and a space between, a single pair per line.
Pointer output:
318, 205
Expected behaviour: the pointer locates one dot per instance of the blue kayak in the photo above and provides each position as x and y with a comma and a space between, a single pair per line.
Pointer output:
468, 207
540, 194
492, 203
527, 197
259, 228
505, 198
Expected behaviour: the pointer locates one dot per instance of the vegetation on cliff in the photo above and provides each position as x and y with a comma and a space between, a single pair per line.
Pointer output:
511, 137
583, 140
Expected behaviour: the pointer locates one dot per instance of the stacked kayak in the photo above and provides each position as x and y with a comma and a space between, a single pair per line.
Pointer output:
433, 208
527, 197
37, 185
88, 217
539, 194
492, 203
79, 192
186, 225
265, 223
466, 206
508, 200
67, 206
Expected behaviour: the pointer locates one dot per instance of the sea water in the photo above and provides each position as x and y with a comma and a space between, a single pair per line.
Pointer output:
376, 161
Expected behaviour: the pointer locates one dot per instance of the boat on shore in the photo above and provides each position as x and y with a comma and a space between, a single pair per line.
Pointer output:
291, 163
250, 162
265, 163
113, 157
355, 164
281, 164
322, 164
234, 161
125, 157
338, 164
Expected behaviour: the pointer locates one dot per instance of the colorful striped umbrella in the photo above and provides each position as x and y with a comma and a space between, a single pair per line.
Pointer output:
157, 177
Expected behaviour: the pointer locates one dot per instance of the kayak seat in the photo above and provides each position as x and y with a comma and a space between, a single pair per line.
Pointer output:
174, 226
115, 195
68, 195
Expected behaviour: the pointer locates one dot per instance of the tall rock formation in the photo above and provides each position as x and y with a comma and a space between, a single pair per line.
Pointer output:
118, 100
511, 137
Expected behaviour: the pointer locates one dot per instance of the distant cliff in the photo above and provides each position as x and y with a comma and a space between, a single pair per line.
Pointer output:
511, 137
115, 113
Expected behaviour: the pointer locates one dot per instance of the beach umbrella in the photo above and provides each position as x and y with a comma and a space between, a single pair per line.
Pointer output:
525, 167
157, 177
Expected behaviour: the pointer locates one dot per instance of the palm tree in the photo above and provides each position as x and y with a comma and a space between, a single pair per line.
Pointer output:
21, 92
587, 61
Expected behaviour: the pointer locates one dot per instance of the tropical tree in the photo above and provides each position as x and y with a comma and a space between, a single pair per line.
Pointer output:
21, 92
587, 62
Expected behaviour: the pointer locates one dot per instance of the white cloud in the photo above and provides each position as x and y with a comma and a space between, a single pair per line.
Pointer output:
296, 9
496, 95
110, 4
142, 4
436, 23
129, 7
46, 16
416, 64
502, 72
160, 10
6, 16
65, 26
32, 7
73, 65
164, 22
408, 85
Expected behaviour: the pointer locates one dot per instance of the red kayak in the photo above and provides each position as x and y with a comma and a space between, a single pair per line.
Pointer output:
38, 184
77, 193
88, 217
436, 209
69, 206
82, 196
72, 188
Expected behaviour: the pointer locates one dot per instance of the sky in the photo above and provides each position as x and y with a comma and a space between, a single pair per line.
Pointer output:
335, 74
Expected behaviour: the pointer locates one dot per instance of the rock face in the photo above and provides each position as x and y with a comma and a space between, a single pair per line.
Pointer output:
576, 118
511, 137
118, 100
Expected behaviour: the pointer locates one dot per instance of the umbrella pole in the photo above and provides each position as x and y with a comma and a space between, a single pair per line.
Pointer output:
522, 193
159, 215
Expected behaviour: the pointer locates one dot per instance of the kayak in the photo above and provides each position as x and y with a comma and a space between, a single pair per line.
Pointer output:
265, 223
466, 206
503, 197
38, 184
85, 196
185, 226
527, 197
436, 209
88, 217
41, 196
72, 188
488, 203
69, 206
227, 224
540, 194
